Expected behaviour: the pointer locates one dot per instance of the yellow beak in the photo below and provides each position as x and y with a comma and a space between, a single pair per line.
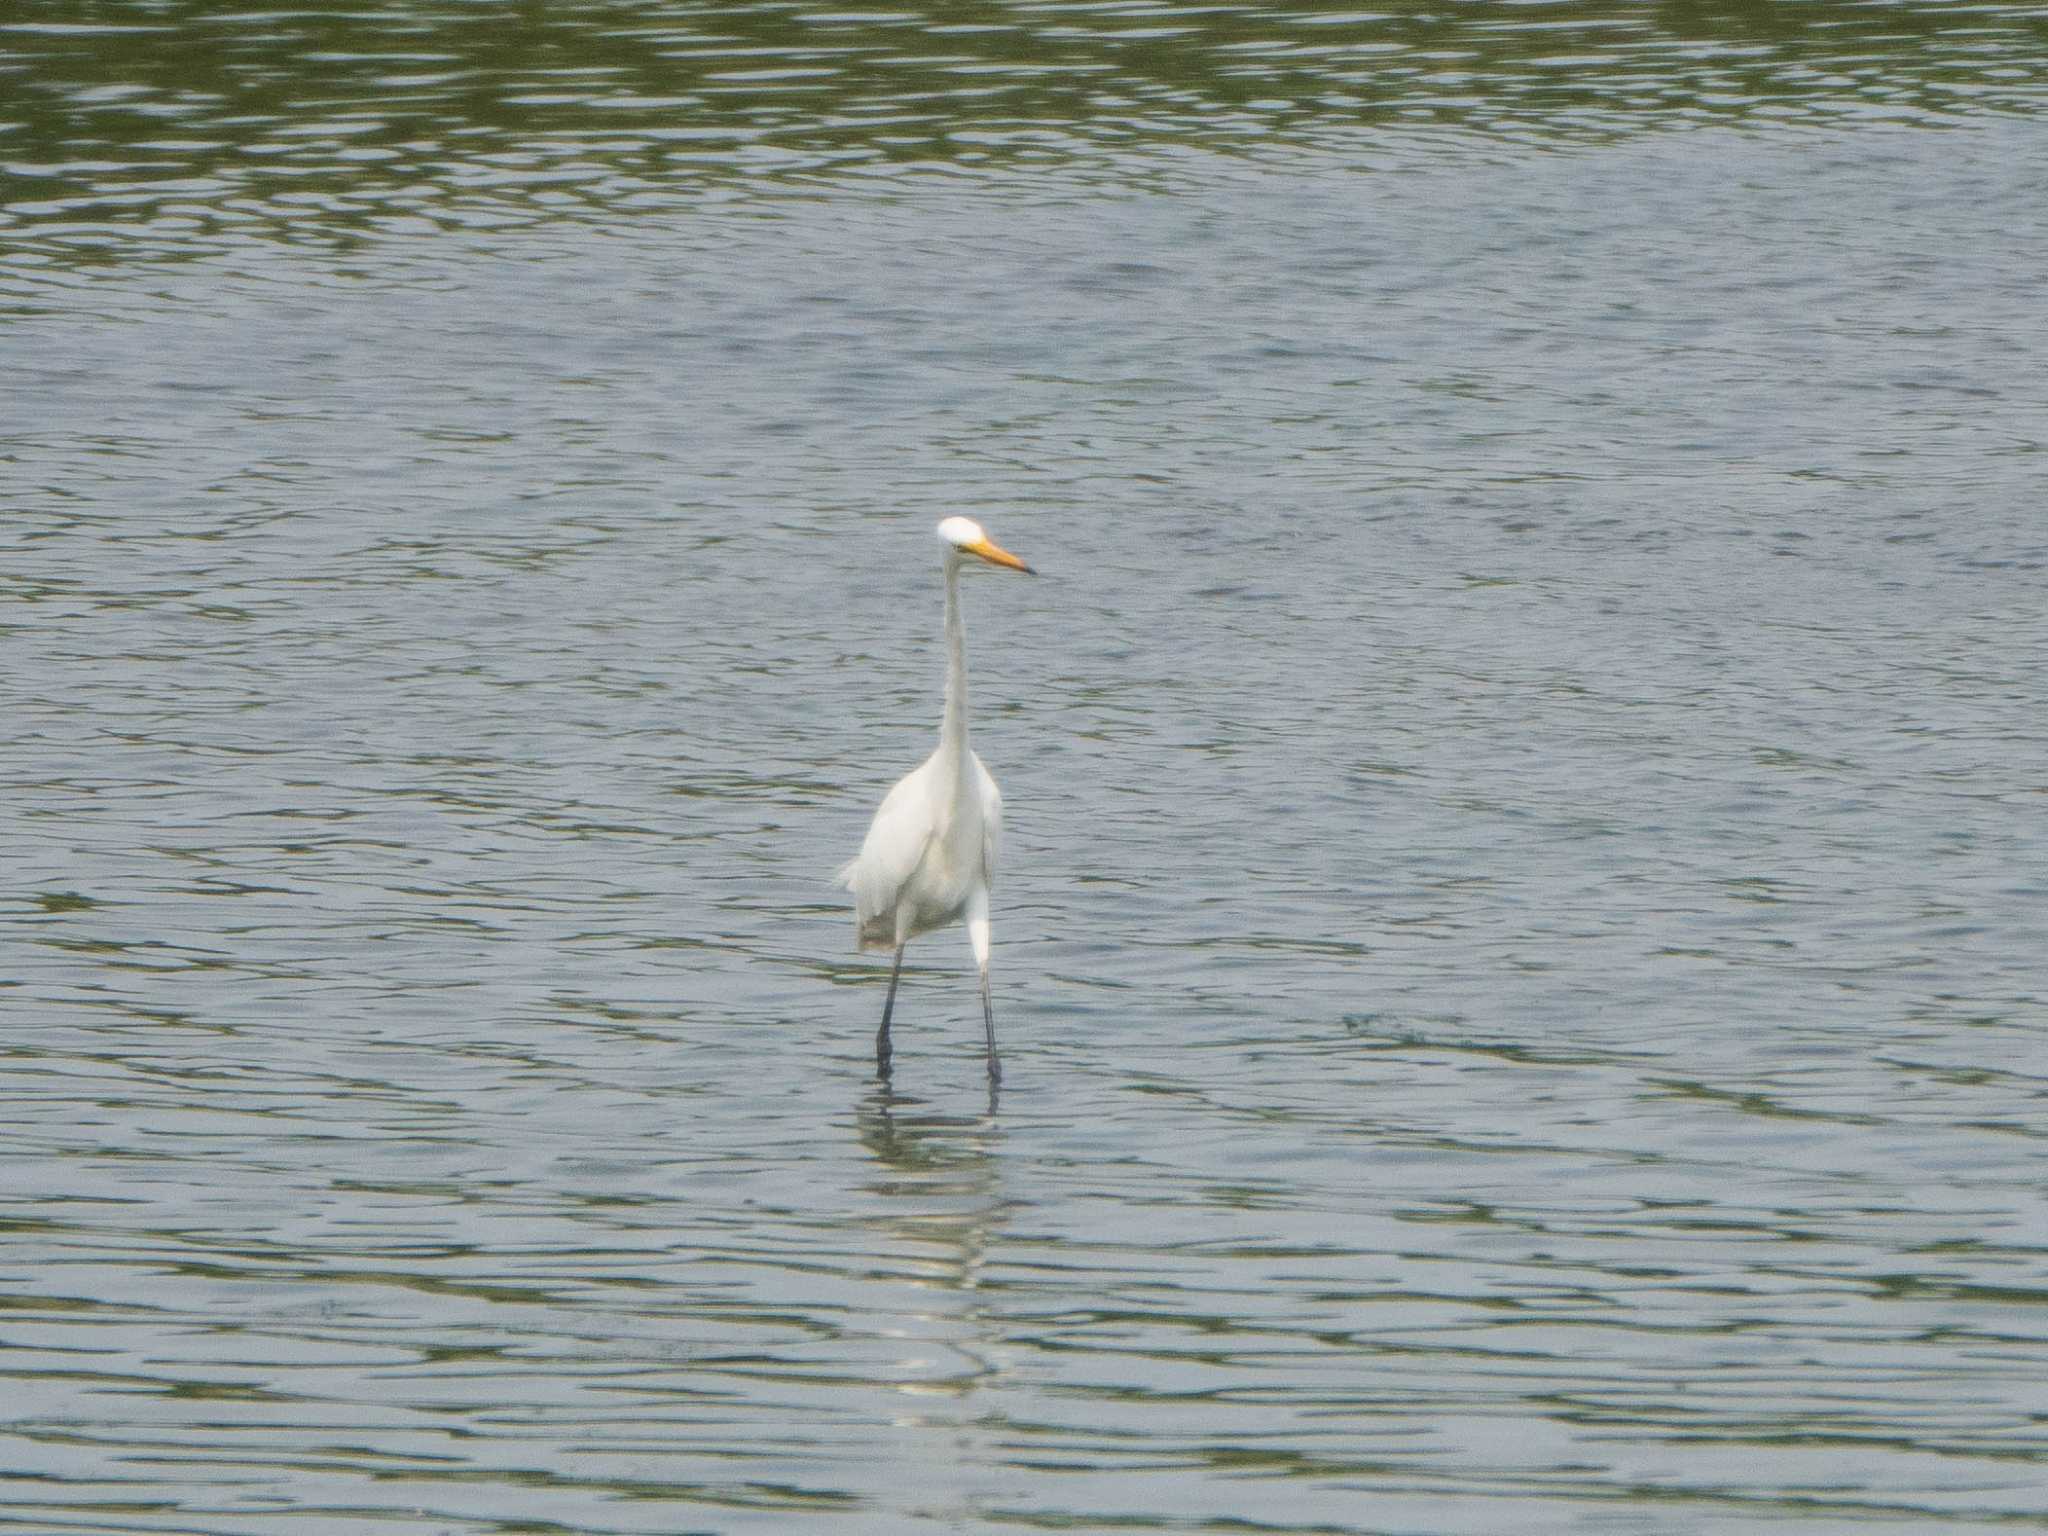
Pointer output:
995, 554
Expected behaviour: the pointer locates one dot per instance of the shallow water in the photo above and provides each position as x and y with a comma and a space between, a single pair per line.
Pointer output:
1519, 950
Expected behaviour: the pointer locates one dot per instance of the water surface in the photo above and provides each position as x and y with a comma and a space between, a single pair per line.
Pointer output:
1519, 951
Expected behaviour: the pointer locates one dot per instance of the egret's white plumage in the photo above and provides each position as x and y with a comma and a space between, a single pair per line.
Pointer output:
929, 858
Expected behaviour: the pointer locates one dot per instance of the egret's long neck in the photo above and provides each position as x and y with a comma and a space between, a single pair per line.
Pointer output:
953, 734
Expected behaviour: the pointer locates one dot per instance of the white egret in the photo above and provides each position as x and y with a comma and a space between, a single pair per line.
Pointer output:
930, 853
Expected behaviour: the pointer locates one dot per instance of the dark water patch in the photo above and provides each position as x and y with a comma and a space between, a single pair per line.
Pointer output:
184, 128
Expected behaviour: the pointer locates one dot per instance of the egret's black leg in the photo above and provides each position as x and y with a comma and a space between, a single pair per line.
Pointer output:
988, 1019
888, 1007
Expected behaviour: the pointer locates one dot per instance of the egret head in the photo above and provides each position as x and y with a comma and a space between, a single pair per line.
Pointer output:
967, 537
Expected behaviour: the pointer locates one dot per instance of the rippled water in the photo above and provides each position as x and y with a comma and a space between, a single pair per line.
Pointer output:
1520, 951
180, 126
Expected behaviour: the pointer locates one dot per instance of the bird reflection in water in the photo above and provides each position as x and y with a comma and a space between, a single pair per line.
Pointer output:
932, 1212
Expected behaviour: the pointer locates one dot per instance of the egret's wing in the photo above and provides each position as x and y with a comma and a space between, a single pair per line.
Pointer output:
991, 821
889, 856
